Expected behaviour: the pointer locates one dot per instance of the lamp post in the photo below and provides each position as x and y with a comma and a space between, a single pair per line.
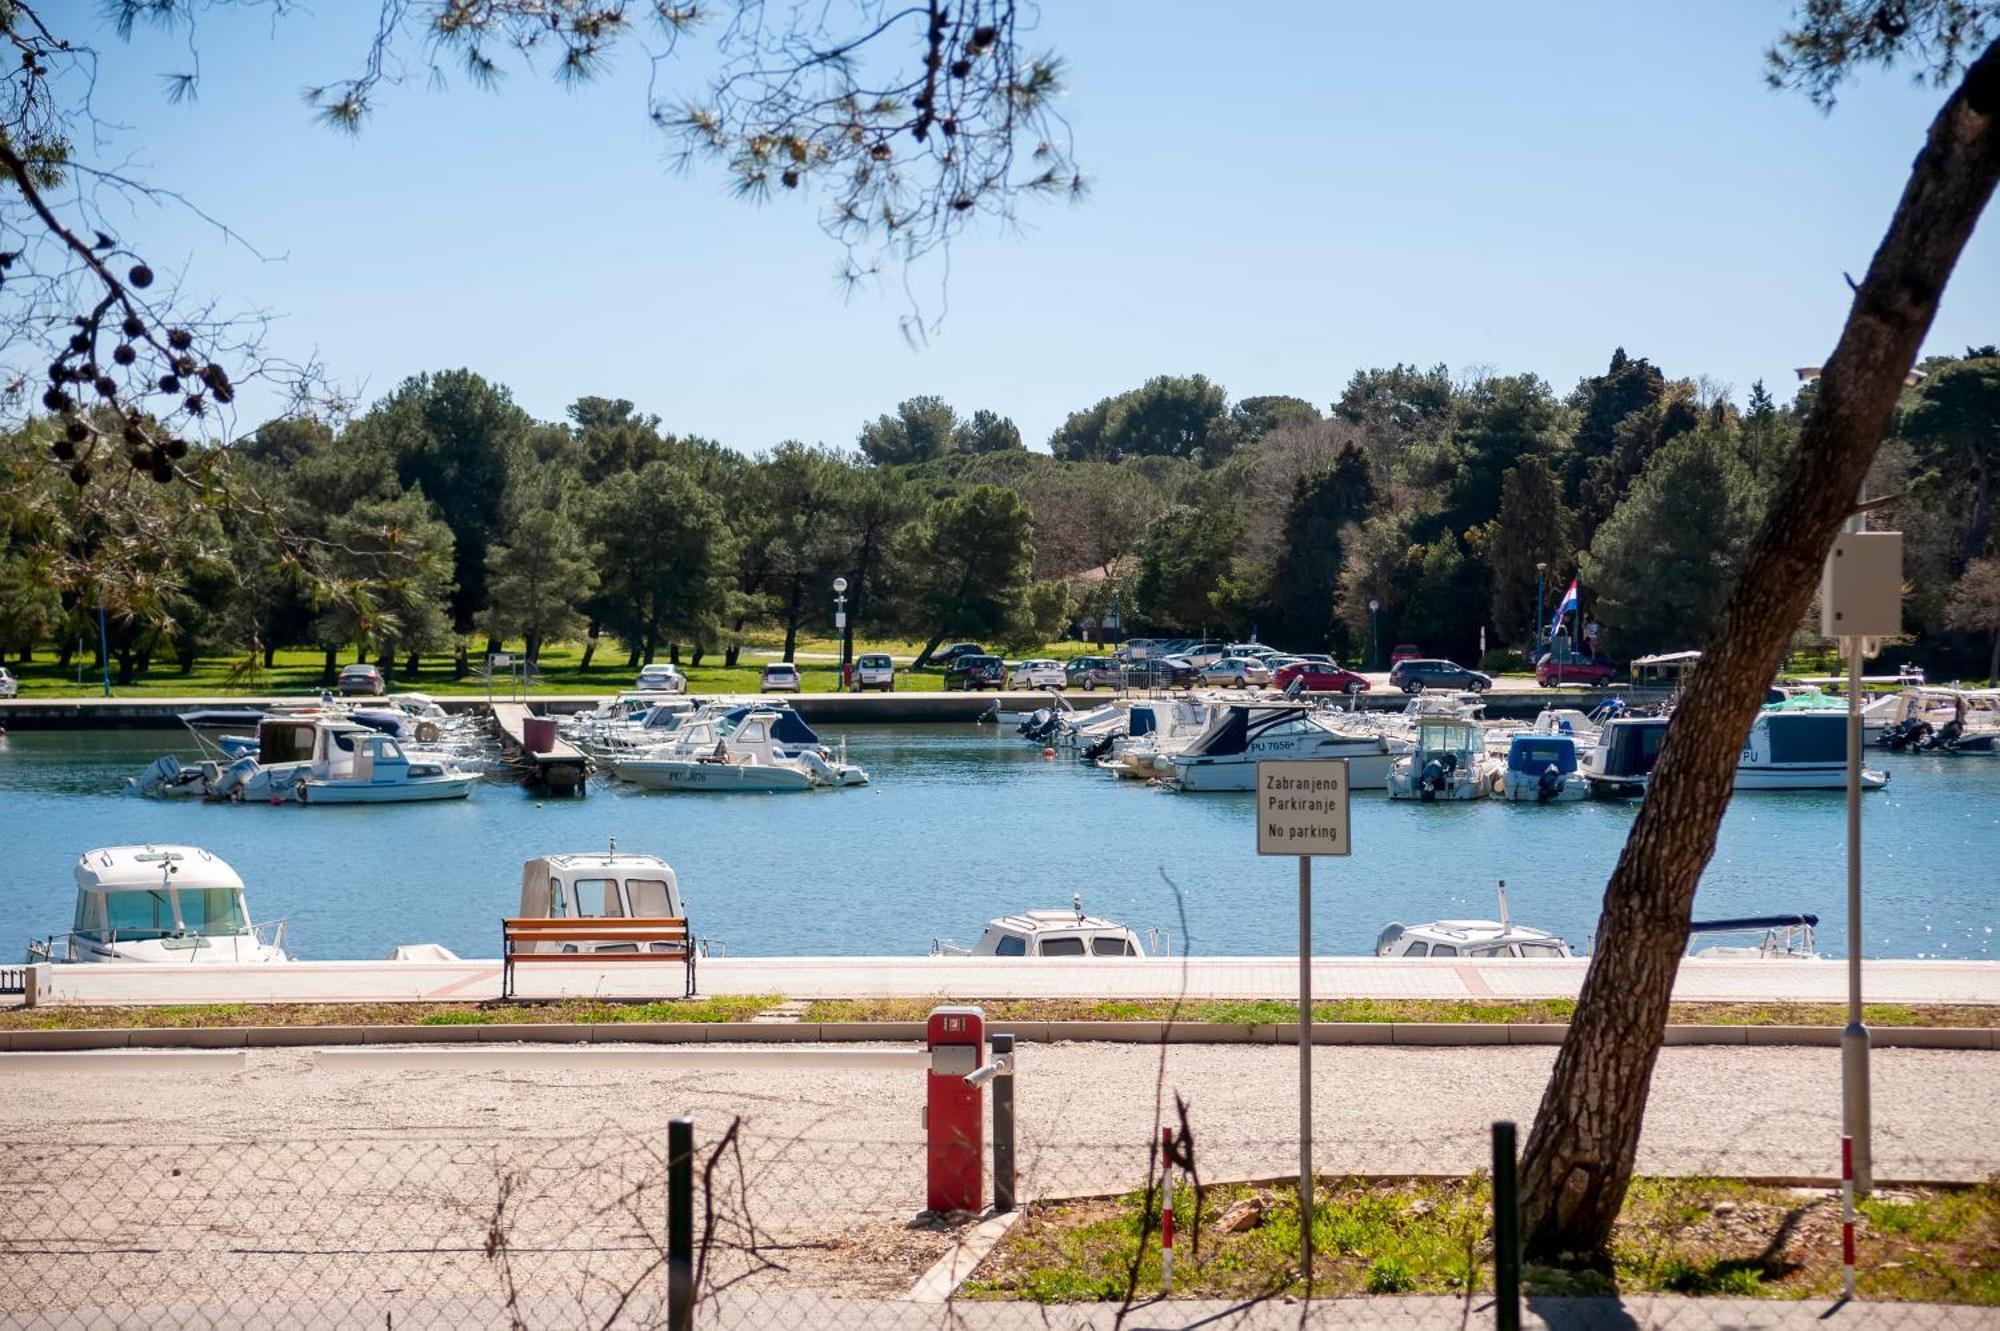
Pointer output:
840, 627
1374, 651
1541, 571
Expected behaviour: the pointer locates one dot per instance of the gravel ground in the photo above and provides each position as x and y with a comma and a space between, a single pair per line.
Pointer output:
319, 1186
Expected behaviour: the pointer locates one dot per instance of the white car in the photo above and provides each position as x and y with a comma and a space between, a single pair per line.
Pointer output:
9, 686
781, 677
1240, 672
1039, 674
661, 677
874, 670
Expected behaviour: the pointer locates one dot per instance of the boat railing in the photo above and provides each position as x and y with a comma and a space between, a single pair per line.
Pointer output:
945, 947
63, 947
1159, 942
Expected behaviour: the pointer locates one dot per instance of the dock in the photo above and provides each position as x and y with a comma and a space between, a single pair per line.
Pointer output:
547, 761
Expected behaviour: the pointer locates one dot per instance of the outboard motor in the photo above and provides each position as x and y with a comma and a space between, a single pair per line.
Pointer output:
1032, 720
1548, 785
1947, 735
1437, 775
1093, 752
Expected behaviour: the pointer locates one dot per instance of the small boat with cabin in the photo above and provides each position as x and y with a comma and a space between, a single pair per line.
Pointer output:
1620, 764
1241, 735
1479, 939
1541, 769
736, 753
314, 760
1778, 938
1802, 749
169, 904
1448, 763
1049, 933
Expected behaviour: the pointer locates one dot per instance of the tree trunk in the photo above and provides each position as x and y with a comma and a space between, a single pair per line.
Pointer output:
1578, 1162
65, 653
270, 656
674, 652
924, 657
411, 663
694, 658
793, 613
330, 669
730, 653
590, 643
460, 665
532, 647
126, 667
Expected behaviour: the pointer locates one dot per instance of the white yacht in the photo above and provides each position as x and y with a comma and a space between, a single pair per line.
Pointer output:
1241, 735
1156, 730
1449, 762
1482, 939
1049, 933
173, 904
1799, 750
1541, 768
739, 755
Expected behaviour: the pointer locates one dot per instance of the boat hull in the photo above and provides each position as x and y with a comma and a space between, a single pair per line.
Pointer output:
1365, 771
420, 791
716, 777
1819, 776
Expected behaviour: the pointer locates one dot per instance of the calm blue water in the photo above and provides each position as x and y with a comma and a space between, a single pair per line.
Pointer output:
962, 824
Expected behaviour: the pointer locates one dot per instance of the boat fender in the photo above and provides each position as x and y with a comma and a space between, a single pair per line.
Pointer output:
428, 732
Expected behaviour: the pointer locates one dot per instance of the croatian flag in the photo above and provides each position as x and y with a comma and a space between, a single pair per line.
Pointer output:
1563, 607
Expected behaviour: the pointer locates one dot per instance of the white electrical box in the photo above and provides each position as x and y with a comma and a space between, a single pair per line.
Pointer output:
1861, 589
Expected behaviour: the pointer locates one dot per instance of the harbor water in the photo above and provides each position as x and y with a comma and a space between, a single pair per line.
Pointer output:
962, 823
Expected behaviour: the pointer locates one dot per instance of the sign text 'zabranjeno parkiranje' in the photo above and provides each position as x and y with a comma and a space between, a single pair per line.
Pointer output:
1302, 808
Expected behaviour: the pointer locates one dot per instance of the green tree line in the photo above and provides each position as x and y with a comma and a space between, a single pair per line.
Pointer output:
446, 517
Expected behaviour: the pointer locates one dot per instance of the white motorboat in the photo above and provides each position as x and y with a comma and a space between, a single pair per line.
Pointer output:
1482, 939
1449, 762
314, 760
1050, 933
1935, 720
1621, 763
1799, 750
729, 756
1156, 730
1777, 938
1241, 735
1541, 769
606, 884
171, 904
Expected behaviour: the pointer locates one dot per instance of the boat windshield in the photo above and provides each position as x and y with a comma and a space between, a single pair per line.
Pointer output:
214, 912
649, 897
597, 898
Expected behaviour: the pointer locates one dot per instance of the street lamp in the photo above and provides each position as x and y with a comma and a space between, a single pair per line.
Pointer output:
840, 627
1374, 652
1541, 570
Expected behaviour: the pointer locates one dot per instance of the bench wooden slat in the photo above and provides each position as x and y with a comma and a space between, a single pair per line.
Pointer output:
540, 925
673, 939
523, 958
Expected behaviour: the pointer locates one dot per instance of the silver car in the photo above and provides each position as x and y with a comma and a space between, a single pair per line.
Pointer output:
1237, 672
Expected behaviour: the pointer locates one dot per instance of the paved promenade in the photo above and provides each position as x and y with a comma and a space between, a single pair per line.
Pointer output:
974, 977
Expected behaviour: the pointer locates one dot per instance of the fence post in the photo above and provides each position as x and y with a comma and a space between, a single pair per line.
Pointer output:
680, 1224
1003, 1128
1506, 1232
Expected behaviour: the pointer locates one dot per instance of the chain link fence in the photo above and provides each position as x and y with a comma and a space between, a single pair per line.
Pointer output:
573, 1229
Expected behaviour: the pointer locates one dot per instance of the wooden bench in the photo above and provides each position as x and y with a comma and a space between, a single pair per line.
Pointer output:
655, 939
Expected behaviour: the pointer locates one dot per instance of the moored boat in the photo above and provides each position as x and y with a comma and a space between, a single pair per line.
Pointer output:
1241, 735
172, 904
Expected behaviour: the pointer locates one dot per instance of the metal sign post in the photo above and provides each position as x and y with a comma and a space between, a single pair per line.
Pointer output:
1302, 811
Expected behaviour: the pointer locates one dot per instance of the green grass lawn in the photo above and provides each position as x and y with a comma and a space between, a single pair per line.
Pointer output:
298, 671
1433, 1236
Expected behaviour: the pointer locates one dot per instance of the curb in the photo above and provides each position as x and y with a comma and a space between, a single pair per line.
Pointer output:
1405, 1034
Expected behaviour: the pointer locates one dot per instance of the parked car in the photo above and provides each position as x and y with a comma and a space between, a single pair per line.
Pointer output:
975, 671
1320, 677
1420, 673
1237, 672
9, 686
360, 678
1040, 673
1162, 672
874, 670
1562, 666
780, 677
1255, 651
945, 659
1095, 672
1404, 651
1205, 653
661, 677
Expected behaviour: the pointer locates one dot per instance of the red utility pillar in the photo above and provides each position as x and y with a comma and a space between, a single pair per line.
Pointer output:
956, 1132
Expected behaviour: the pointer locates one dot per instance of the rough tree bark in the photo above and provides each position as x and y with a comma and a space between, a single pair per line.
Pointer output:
1579, 1157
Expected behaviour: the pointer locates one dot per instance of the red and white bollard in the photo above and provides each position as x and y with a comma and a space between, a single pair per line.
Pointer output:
1166, 1210
1847, 1215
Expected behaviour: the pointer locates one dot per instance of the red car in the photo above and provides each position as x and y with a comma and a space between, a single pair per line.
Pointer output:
1568, 668
1406, 651
1320, 678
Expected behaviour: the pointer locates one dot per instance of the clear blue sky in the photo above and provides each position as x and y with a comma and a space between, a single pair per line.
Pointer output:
1279, 198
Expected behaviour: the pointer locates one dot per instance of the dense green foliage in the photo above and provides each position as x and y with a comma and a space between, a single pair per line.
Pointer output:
445, 515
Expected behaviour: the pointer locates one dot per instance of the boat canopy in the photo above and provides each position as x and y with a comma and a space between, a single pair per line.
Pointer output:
1447, 735
787, 726
1812, 736
1753, 922
589, 885
1535, 754
1632, 745
1236, 725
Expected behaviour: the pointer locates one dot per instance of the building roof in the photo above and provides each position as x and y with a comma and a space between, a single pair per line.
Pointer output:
143, 868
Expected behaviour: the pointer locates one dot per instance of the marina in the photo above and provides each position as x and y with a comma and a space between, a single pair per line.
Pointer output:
882, 869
